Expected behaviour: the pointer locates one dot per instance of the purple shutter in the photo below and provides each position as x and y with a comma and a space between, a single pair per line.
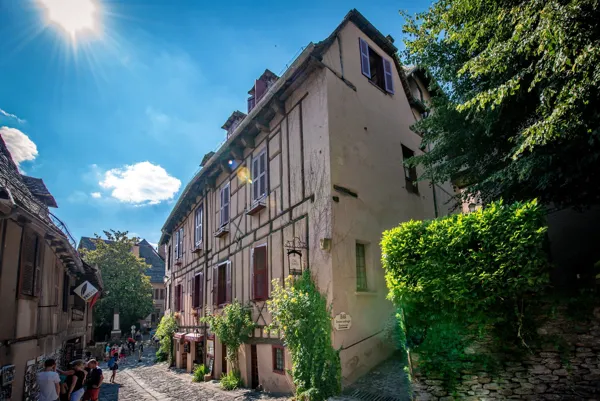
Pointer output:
364, 58
215, 284
260, 273
255, 183
226, 196
252, 276
193, 291
387, 73
251, 103
228, 282
260, 88
263, 171
201, 289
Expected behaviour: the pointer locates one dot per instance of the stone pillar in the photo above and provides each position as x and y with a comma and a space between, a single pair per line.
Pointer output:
115, 334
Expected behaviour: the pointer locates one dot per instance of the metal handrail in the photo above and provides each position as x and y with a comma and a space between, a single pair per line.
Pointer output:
63, 228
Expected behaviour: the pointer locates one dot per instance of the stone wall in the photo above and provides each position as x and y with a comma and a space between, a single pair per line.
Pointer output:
567, 372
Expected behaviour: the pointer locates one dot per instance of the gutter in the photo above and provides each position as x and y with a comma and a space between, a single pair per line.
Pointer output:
282, 82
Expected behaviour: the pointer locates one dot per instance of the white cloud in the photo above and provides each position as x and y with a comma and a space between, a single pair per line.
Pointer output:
9, 115
140, 184
96, 195
19, 145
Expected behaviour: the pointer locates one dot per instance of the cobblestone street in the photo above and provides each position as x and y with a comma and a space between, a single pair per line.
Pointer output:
149, 381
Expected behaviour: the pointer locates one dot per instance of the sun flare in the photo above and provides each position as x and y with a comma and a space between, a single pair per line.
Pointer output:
72, 15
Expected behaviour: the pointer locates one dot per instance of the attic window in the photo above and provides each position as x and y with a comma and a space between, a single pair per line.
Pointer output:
375, 67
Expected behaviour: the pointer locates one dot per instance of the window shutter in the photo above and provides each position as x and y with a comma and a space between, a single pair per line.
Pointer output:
255, 175
215, 284
200, 291
228, 282
387, 73
252, 275
260, 273
28, 257
226, 208
181, 297
364, 58
193, 291
263, 171
39, 262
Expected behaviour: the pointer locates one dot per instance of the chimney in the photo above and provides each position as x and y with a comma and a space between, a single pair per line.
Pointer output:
390, 38
260, 88
136, 250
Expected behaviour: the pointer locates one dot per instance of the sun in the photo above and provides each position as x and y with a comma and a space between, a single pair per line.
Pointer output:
72, 15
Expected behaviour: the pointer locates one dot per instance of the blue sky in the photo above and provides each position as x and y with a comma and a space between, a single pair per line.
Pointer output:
118, 124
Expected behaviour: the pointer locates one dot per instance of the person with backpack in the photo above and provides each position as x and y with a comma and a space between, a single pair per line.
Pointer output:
113, 366
93, 382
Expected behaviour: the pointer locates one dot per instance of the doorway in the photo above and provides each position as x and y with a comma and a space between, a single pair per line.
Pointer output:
254, 366
224, 359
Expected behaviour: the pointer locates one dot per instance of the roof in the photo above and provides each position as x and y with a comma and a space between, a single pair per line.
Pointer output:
156, 271
236, 115
266, 76
298, 70
39, 190
423, 75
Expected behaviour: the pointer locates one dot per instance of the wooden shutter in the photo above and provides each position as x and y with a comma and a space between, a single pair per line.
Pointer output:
200, 290
193, 291
39, 262
364, 58
387, 73
228, 282
260, 279
262, 160
215, 284
225, 205
28, 259
255, 175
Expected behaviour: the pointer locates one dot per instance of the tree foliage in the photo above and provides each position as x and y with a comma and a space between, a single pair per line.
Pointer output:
465, 277
233, 326
301, 315
126, 285
165, 331
519, 114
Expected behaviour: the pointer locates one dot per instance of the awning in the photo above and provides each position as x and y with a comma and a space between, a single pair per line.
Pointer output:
194, 337
179, 335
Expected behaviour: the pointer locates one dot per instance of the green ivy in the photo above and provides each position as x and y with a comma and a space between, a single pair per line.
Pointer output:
165, 331
300, 313
233, 326
466, 280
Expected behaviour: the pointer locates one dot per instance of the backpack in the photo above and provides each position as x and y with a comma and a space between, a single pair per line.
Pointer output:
111, 363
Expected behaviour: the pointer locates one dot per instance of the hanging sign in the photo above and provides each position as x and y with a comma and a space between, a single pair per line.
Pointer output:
343, 321
85, 291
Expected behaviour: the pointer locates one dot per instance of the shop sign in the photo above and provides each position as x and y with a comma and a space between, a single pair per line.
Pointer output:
343, 321
86, 291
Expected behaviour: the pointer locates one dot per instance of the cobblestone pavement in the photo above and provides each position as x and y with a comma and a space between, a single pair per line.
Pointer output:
146, 380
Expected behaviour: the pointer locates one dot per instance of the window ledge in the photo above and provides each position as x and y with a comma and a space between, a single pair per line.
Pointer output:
366, 293
197, 249
377, 86
279, 372
257, 206
221, 232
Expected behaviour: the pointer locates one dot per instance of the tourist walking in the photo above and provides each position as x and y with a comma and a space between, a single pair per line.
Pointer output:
48, 382
93, 382
76, 381
113, 366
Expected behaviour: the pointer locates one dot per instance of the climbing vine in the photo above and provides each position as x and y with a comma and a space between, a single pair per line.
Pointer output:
301, 315
466, 280
165, 331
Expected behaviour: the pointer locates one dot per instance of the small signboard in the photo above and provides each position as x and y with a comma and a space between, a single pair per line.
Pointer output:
211, 363
86, 291
343, 321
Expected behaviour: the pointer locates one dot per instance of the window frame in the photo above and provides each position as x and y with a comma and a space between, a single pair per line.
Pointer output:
224, 291
385, 69
362, 281
178, 250
198, 293
274, 350
257, 174
223, 205
178, 298
198, 224
410, 173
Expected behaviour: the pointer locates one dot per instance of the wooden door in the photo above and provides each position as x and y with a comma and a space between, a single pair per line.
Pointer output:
254, 366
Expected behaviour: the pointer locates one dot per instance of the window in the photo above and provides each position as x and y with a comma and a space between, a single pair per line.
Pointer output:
260, 275
361, 268
162, 293
178, 298
278, 359
198, 290
222, 283
376, 68
31, 263
259, 176
410, 172
178, 244
224, 205
198, 227
155, 295
251, 103
66, 292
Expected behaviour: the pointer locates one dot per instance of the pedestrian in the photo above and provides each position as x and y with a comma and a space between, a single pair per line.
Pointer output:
113, 366
93, 382
76, 381
131, 345
107, 352
48, 382
122, 352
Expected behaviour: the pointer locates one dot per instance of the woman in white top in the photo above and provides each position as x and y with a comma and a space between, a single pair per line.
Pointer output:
48, 382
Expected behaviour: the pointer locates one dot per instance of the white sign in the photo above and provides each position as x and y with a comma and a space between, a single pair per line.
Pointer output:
86, 291
343, 321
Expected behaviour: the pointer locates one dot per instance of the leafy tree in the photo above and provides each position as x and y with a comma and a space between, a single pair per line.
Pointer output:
126, 285
519, 113
165, 331
233, 326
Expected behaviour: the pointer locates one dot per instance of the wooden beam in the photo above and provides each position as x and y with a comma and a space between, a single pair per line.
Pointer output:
279, 106
225, 166
248, 141
262, 127
237, 152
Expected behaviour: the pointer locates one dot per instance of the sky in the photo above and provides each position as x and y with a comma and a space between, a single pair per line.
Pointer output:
116, 120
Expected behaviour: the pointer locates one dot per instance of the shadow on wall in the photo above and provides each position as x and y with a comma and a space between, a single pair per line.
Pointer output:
574, 245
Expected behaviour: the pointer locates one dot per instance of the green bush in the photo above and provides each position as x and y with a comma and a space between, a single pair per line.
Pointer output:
165, 331
467, 279
161, 356
231, 381
199, 373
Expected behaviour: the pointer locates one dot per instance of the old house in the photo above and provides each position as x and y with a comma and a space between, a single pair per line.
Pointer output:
46, 311
155, 271
308, 178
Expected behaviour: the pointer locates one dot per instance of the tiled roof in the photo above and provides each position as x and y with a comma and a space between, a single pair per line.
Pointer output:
156, 271
39, 190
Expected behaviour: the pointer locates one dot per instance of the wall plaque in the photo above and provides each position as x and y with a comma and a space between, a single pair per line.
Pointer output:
343, 321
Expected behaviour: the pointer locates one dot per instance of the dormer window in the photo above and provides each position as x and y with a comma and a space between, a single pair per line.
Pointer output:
233, 122
375, 67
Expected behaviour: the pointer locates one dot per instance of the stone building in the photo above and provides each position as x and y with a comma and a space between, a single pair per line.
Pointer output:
156, 273
308, 178
41, 280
